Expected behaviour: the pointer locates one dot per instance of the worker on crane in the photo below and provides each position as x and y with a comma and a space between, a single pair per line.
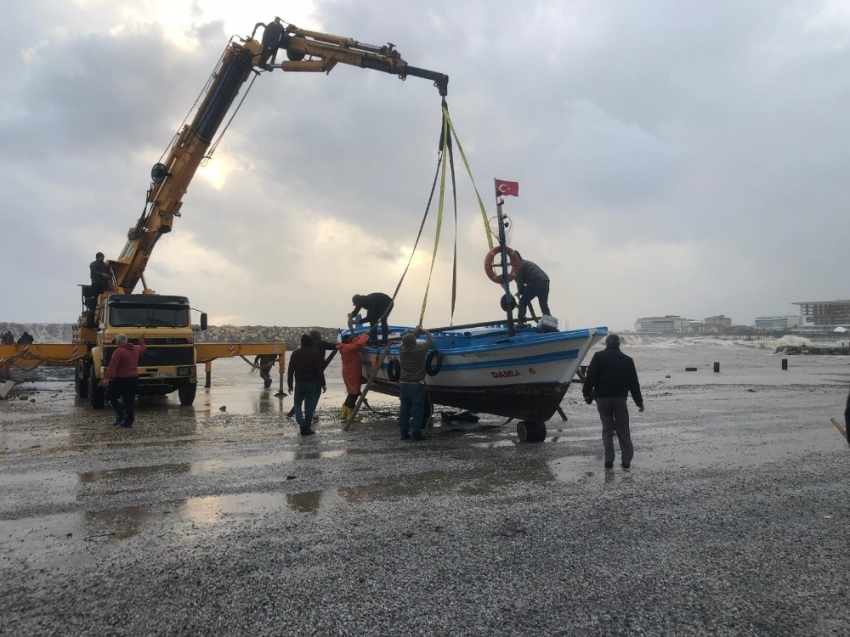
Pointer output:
101, 275
378, 307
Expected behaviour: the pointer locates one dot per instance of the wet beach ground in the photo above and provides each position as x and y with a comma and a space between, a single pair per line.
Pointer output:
733, 519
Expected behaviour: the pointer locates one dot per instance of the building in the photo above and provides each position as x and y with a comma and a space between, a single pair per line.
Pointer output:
777, 323
662, 324
720, 321
825, 313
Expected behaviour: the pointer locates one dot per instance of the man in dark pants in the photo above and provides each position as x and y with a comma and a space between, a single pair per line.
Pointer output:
378, 307
305, 366
265, 362
531, 282
847, 419
101, 275
610, 377
411, 386
122, 378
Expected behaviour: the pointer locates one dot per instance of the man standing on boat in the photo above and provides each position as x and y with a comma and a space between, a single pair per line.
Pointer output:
411, 386
531, 282
378, 307
610, 377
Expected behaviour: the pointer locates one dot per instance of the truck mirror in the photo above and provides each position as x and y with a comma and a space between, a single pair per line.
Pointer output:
203, 321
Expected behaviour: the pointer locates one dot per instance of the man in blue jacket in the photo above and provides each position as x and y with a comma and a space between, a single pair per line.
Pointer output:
610, 378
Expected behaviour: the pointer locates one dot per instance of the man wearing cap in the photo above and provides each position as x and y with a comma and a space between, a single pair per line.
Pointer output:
101, 275
411, 358
378, 307
610, 378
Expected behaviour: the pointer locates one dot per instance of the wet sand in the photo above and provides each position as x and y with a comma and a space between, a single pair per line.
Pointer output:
732, 520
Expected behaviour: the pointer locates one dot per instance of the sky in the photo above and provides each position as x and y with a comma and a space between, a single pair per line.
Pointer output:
673, 157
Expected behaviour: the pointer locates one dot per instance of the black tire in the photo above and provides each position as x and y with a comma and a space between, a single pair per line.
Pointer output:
81, 380
504, 306
186, 393
97, 394
530, 431
434, 362
394, 370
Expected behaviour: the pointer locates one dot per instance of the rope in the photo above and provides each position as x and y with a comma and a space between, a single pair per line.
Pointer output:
469, 171
439, 216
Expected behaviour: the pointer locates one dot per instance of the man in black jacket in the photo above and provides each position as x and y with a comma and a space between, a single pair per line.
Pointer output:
531, 282
306, 368
378, 307
610, 378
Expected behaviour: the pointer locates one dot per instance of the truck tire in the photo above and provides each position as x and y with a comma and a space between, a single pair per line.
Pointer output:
186, 393
97, 394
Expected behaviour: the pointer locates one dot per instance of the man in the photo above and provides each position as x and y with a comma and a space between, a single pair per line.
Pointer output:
322, 346
610, 377
26, 339
305, 366
847, 419
101, 275
352, 368
411, 358
122, 378
7, 338
378, 307
531, 282
265, 362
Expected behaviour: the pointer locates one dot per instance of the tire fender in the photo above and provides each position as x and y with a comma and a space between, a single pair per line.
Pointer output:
434, 362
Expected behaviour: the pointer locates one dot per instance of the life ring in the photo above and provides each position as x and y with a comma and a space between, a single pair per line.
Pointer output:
513, 259
434, 362
394, 370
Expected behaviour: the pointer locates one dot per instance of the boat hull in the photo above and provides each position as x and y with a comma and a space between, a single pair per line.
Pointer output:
486, 371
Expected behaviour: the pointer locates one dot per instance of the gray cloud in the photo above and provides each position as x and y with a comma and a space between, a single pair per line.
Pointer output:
673, 158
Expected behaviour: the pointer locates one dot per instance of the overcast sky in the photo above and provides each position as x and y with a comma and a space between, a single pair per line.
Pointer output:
673, 157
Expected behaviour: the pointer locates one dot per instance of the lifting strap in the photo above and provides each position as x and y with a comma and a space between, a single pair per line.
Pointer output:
445, 140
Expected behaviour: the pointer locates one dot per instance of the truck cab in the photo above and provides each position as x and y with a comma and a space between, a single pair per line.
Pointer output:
168, 365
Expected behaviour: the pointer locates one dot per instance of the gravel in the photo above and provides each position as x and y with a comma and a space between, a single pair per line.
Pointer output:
732, 521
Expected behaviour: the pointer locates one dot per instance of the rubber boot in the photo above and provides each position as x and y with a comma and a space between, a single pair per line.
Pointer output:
345, 413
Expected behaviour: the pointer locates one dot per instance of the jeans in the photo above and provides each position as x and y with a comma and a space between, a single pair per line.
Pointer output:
614, 414
540, 291
308, 394
385, 331
125, 389
412, 397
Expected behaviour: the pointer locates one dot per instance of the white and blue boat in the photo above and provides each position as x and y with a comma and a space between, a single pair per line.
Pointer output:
485, 370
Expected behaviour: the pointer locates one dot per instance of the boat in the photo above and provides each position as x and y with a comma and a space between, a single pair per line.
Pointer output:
483, 369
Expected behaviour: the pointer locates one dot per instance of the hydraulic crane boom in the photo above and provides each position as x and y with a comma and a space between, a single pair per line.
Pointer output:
305, 51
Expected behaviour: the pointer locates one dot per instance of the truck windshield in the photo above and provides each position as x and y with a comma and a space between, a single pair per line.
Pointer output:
148, 316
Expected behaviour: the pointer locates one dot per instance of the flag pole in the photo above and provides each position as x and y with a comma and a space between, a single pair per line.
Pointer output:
503, 244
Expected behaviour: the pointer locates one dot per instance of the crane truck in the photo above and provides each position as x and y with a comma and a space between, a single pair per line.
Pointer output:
170, 363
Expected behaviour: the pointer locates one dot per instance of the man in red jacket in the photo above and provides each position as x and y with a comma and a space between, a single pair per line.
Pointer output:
122, 378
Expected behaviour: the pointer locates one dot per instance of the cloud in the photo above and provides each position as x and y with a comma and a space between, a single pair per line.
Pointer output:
673, 158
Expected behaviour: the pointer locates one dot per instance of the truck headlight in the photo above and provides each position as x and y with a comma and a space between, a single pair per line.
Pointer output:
184, 371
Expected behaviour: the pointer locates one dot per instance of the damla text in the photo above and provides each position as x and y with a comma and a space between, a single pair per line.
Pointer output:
511, 373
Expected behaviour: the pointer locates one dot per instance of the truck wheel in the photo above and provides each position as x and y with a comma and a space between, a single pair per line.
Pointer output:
81, 381
97, 394
186, 393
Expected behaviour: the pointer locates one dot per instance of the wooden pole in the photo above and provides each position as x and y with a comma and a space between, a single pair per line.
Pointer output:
371, 380
839, 427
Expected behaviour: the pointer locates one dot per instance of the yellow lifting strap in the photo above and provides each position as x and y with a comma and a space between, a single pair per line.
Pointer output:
469, 170
439, 213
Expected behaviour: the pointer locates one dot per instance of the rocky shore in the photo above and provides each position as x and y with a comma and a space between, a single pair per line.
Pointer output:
61, 333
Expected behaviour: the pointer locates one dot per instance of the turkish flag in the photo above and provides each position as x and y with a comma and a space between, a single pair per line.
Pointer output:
505, 188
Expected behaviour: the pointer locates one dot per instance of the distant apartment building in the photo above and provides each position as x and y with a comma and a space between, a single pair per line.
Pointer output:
825, 313
720, 321
777, 323
662, 324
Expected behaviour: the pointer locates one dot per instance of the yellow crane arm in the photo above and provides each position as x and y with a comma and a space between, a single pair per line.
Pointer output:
305, 51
